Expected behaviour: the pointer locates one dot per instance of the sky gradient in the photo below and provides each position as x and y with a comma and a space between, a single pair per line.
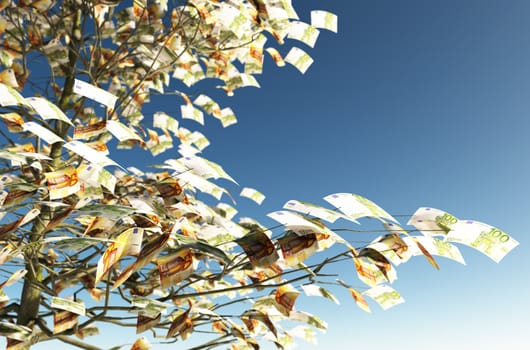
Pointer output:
413, 103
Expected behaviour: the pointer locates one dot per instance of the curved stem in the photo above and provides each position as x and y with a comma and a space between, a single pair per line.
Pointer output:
78, 343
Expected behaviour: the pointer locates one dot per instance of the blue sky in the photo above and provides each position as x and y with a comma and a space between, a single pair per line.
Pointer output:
414, 103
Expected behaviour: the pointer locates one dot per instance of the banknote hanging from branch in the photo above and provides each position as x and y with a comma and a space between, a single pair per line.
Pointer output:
93, 240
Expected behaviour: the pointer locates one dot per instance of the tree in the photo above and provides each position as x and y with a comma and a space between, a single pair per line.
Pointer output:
78, 224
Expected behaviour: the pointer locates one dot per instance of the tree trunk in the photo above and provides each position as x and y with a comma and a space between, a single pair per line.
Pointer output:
29, 304
31, 293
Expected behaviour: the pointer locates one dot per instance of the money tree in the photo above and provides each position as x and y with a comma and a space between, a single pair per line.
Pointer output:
87, 240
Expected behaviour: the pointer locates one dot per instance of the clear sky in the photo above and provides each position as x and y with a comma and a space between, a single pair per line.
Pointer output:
414, 103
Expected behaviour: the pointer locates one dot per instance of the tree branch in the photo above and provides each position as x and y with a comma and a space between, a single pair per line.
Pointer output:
75, 342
